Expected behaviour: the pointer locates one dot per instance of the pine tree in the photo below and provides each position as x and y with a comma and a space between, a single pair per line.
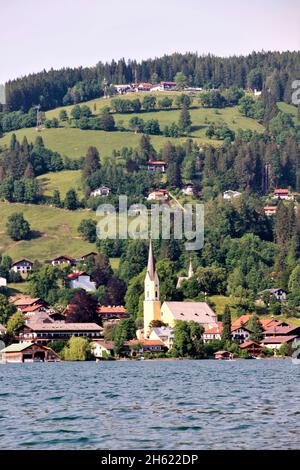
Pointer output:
71, 200
226, 325
91, 162
56, 201
256, 328
2, 173
29, 172
185, 121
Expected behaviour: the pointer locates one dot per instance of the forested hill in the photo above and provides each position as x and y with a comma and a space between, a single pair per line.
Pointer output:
274, 70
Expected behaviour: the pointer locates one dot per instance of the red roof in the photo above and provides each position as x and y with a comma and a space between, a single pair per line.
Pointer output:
270, 208
77, 274
20, 300
106, 344
111, 309
281, 191
163, 191
280, 330
215, 330
156, 162
278, 339
218, 329
145, 342
168, 83
242, 320
146, 84
267, 323
247, 344
31, 308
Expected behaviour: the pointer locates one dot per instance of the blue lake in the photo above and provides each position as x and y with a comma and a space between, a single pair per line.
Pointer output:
150, 405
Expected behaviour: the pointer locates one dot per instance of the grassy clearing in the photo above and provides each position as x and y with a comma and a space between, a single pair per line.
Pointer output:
201, 118
99, 103
74, 142
289, 109
61, 181
56, 232
221, 301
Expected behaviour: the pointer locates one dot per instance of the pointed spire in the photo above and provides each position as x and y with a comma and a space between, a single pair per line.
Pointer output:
191, 270
151, 262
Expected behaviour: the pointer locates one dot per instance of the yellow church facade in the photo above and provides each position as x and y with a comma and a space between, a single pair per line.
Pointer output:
170, 312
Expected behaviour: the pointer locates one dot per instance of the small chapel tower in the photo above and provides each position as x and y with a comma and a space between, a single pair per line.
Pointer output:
151, 302
191, 270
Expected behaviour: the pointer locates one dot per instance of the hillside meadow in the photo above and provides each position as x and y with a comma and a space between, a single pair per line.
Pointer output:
61, 181
55, 232
74, 142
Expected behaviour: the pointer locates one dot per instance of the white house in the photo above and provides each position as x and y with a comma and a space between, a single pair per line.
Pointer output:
164, 334
22, 266
188, 190
279, 294
81, 280
164, 86
3, 282
274, 342
212, 332
283, 194
155, 165
103, 191
121, 89
63, 260
239, 334
101, 348
158, 195
228, 195
270, 210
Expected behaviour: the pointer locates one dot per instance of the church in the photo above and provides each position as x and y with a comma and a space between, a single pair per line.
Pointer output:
170, 312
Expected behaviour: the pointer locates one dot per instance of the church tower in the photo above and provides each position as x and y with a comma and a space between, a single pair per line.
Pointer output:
151, 302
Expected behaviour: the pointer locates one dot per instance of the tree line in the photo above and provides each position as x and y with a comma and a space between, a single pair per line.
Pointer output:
272, 70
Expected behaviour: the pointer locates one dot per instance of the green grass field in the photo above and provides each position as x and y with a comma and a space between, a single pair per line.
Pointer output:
289, 109
61, 181
98, 103
75, 142
57, 232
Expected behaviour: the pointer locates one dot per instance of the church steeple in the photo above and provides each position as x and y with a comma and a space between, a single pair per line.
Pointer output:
151, 302
151, 262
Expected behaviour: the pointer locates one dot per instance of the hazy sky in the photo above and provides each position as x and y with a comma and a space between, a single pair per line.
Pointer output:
38, 34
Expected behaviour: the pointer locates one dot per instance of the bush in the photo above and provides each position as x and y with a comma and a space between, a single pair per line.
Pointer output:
17, 228
77, 349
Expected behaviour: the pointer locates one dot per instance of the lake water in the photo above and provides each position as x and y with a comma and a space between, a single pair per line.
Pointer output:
150, 405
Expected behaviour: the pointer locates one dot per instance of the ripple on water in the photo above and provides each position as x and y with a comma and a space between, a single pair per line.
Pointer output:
150, 405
